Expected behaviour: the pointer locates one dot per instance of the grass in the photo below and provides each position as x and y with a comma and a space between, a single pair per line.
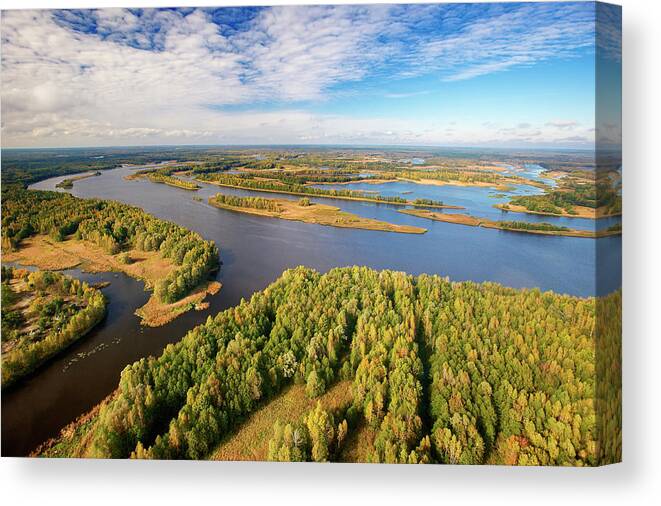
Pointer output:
148, 266
251, 440
359, 444
321, 214
457, 218
156, 313
451, 182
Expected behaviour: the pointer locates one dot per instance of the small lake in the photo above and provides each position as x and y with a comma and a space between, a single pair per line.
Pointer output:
254, 251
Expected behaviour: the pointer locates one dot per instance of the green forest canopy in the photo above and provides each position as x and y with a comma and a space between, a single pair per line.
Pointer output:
444, 372
113, 226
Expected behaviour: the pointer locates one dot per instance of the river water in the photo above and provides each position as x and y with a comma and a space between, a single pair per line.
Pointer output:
255, 250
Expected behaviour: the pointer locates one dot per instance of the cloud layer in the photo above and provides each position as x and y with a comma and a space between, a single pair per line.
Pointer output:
118, 76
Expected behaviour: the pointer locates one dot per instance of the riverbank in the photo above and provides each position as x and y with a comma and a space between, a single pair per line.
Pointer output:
319, 214
336, 197
148, 266
472, 221
580, 212
73, 440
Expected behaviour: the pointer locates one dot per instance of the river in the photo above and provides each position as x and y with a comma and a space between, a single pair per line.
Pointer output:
255, 250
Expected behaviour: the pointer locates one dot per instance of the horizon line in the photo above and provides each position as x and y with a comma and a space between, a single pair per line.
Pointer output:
594, 148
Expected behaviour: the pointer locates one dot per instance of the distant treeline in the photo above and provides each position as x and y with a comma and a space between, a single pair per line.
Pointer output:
526, 225
444, 372
297, 189
165, 178
307, 176
113, 226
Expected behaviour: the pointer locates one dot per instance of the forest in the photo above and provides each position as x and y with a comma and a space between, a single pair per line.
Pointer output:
526, 225
250, 202
303, 176
159, 177
594, 196
114, 227
457, 373
43, 313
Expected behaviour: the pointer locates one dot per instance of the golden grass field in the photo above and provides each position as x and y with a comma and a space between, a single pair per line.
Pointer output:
251, 440
43, 252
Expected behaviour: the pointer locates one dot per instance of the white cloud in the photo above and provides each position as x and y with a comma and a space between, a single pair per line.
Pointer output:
563, 124
130, 82
519, 37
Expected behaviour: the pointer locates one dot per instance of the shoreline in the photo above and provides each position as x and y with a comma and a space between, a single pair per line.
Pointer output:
512, 208
321, 214
472, 221
46, 254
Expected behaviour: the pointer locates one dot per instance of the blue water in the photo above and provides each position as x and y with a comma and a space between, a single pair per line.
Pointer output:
531, 171
256, 250
477, 201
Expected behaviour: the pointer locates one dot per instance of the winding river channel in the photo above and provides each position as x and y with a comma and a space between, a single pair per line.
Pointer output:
255, 250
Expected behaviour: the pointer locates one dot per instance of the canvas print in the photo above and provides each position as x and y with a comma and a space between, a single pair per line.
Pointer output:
354, 233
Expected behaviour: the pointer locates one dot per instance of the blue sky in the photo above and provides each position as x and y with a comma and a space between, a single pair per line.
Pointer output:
507, 75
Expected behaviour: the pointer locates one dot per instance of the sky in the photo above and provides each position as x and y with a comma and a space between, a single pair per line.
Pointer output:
501, 75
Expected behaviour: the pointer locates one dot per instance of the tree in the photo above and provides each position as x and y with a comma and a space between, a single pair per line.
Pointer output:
315, 385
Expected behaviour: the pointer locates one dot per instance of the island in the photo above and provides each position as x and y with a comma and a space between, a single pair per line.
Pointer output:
163, 176
578, 195
67, 184
306, 211
275, 185
43, 313
536, 206
511, 226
